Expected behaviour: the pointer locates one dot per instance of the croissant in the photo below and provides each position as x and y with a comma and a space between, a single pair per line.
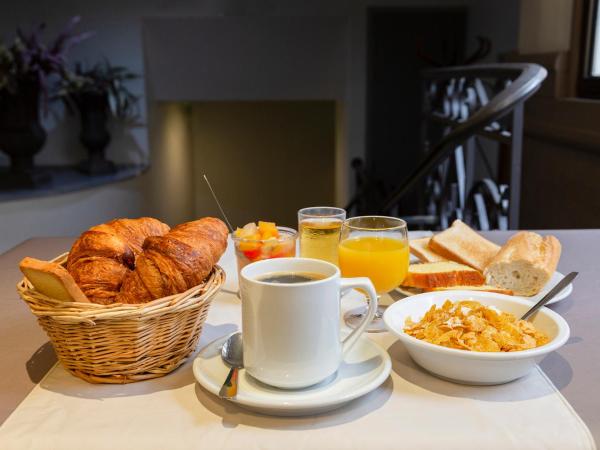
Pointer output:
102, 256
175, 262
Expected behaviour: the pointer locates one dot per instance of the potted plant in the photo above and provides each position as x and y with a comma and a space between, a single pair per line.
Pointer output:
97, 94
28, 68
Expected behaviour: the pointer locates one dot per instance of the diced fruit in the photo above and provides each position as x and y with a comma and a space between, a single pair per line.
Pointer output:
250, 231
270, 234
250, 228
269, 244
283, 249
251, 242
261, 241
268, 229
252, 254
264, 230
257, 242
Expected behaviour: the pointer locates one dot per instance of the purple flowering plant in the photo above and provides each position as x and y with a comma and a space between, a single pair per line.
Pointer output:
28, 60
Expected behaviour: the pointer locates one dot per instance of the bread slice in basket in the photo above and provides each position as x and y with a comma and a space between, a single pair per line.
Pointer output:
52, 280
442, 274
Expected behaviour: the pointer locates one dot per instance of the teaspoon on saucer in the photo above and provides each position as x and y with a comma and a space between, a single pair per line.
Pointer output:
233, 355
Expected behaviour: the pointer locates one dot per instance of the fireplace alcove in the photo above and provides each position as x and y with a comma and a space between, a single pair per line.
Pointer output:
258, 104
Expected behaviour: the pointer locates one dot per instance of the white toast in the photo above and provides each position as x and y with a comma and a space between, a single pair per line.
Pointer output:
462, 244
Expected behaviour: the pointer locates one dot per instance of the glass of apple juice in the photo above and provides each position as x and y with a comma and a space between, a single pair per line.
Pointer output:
319, 228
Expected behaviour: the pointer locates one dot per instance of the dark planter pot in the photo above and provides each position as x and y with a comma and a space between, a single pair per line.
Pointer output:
21, 136
93, 109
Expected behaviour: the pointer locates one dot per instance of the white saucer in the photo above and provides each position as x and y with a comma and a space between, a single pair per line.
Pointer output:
364, 369
556, 277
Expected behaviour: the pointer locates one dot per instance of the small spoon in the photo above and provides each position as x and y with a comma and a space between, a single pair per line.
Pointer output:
550, 295
232, 354
218, 203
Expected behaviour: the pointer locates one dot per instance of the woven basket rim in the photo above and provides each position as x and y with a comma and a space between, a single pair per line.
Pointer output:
42, 305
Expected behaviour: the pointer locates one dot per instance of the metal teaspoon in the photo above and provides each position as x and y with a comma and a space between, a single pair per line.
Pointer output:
550, 295
232, 354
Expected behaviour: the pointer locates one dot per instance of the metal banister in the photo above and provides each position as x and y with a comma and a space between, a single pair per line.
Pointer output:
525, 80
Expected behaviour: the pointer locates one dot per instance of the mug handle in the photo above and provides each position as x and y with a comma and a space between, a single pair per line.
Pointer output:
345, 284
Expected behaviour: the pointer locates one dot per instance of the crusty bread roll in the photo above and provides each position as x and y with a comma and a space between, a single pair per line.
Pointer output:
525, 263
52, 280
462, 244
102, 256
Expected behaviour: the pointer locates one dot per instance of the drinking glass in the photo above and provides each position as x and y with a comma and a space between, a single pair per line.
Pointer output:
374, 247
319, 228
250, 250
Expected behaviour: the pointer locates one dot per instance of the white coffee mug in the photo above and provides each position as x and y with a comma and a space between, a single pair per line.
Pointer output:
291, 331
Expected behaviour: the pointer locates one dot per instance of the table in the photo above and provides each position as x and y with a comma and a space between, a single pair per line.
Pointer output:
573, 369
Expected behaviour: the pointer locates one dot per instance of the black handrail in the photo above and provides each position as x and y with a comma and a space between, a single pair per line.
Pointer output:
527, 79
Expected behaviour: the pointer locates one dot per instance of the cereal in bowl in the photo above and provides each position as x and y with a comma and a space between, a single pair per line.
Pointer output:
469, 325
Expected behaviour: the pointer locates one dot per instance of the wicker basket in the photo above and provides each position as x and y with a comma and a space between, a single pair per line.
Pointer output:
124, 343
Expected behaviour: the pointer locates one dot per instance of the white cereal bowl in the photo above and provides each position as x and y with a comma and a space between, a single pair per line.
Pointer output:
470, 367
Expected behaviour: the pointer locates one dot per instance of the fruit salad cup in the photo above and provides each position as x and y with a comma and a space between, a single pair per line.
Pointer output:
265, 241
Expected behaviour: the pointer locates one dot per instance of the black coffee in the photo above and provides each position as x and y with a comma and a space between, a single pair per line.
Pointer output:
290, 277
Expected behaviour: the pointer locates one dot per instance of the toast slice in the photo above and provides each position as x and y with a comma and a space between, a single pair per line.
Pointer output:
420, 248
462, 244
484, 288
442, 274
52, 280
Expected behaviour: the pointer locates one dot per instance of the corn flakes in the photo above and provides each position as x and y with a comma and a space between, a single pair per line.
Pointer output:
469, 325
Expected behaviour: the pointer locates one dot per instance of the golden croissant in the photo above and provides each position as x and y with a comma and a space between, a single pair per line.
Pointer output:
102, 256
176, 261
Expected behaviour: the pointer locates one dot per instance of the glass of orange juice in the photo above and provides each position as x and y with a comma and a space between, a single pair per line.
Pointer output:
374, 247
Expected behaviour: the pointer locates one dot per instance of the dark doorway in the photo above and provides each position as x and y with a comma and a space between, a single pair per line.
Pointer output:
397, 40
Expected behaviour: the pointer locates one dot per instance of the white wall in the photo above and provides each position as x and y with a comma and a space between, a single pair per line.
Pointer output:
69, 214
118, 26
222, 61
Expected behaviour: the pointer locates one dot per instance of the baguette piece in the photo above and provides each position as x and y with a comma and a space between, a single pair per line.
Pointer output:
52, 280
442, 274
525, 263
420, 248
462, 244
484, 288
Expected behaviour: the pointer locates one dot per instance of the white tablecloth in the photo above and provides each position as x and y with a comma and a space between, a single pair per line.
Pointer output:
412, 409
